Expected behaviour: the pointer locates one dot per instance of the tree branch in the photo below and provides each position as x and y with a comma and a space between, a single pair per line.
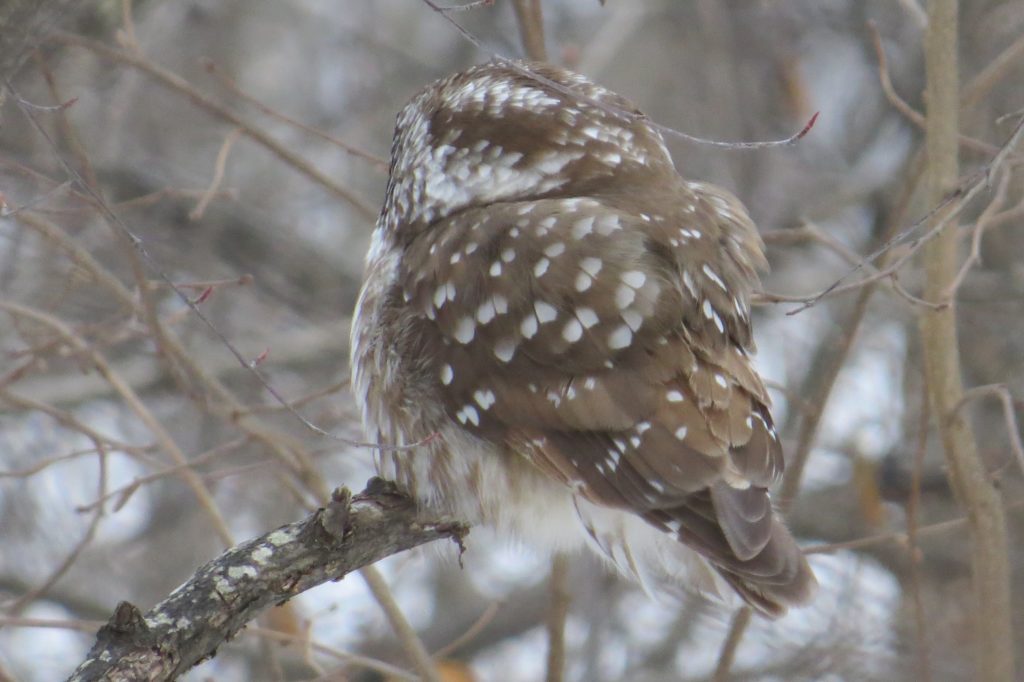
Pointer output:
236, 587
993, 628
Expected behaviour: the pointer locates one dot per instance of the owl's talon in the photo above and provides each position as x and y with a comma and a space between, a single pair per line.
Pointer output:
334, 518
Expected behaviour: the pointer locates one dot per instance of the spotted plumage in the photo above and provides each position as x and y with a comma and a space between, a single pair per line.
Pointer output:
569, 319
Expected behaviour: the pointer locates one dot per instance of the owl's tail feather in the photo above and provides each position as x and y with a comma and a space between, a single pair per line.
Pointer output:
778, 578
685, 549
770, 574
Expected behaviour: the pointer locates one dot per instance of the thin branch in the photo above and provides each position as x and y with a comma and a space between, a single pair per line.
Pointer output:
994, 71
8, 212
392, 672
1009, 416
377, 162
811, 232
236, 587
558, 613
823, 373
134, 403
983, 222
913, 508
727, 655
125, 232
218, 174
896, 536
947, 208
472, 4
175, 82
411, 642
901, 105
471, 632
615, 111
69, 559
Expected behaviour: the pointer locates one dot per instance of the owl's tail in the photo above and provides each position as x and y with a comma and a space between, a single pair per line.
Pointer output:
774, 580
739, 533
685, 548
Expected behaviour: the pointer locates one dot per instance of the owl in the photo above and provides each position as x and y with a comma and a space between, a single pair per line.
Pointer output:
559, 325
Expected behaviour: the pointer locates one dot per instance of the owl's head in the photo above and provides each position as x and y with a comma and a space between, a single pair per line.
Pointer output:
494, 133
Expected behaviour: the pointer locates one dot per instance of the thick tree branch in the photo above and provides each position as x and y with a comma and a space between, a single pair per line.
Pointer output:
993, 628
233, 589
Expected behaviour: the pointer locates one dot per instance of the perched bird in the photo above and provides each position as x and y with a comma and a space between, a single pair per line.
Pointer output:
564, 322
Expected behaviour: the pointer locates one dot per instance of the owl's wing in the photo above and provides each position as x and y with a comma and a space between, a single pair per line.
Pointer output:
611, 348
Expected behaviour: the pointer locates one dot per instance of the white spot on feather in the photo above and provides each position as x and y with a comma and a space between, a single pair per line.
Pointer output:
708, 310
528, 327
587, 317
573, 331
634, 278
583, 227
505, 349
620, 338
555, 250
486, 312
545, 312
688, 281
713, 276
633, 319
541, 267
465, 330
607, 223
624, 296
484, 398
591, 265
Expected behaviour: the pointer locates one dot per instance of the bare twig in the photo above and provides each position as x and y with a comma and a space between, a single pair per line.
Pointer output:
727, 655
218, 175
471, 632
558, 612
125, 232
898, 537
900, 104
947, 208
66, 563
994, 71
913, 506
133, 401
473, 4
392, 672
8, 212
811, 232
1009, 416
983, 222
614, 111
66, 419
411, 642
830, 360
377, 162
177, 83
126, 35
